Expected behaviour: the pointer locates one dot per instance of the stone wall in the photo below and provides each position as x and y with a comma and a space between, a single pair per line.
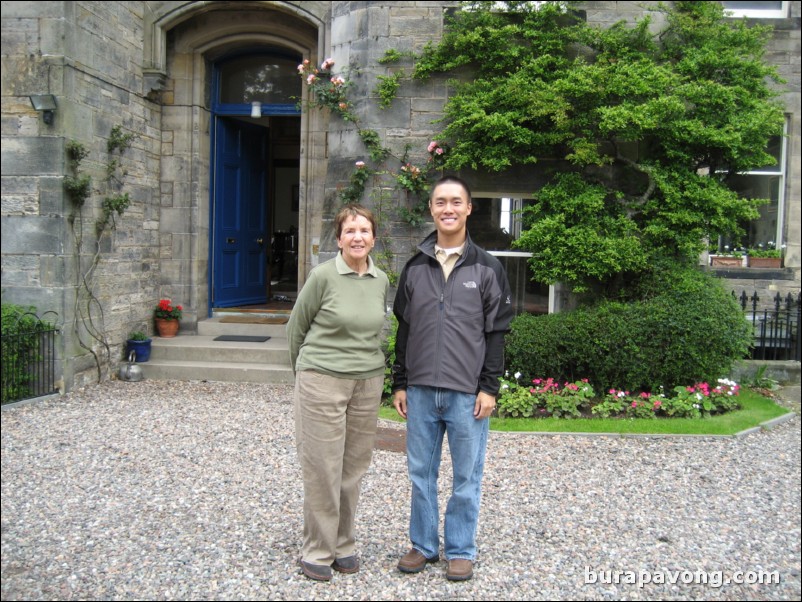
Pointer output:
88, 54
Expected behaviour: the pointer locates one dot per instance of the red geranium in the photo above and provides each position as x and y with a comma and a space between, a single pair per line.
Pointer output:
167, 311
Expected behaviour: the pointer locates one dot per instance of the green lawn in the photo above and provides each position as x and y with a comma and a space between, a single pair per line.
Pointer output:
754, 409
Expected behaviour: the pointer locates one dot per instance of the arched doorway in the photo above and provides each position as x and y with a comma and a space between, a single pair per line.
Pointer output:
186, 44
254, 205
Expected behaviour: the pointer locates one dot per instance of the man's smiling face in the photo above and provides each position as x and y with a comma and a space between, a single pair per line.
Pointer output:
450, 209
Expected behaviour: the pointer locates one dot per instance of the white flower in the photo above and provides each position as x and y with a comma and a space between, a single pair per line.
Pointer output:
517, 375
505, 386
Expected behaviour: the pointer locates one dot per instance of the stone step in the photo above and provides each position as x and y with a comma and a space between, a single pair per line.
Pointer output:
274, 374
200, 357
214, 327
202, 348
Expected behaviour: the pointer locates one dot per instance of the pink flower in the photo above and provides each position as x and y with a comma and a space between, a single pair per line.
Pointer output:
327, 64
337, 81
360, 164
657, 404
343, 106
432, 146
311, 79
439, 151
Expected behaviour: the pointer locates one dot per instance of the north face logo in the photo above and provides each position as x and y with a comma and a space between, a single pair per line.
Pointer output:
469, 284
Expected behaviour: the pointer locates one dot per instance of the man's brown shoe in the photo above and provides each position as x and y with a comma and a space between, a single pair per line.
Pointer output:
414, 562
459, 569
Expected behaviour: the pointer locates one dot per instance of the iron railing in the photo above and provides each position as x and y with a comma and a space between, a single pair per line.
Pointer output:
776, 329
29, 357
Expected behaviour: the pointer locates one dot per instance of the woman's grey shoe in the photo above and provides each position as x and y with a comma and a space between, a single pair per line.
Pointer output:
318, 572
349, 564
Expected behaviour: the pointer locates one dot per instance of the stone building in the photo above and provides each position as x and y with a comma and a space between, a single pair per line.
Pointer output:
231, 186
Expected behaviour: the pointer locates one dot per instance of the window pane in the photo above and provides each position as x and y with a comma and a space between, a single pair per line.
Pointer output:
263, 78
757, 5
764, 229
485, 224
527, 296
774, 148
759, 10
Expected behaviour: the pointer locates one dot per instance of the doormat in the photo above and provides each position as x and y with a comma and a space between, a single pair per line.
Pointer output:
255, 319
242, 338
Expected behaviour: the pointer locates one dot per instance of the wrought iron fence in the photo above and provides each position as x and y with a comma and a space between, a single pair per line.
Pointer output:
29, 357
776, 329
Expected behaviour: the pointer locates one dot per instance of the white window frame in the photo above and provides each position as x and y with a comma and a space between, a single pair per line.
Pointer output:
757, 13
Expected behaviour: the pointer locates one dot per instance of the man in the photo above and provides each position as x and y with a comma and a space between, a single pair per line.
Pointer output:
453, 308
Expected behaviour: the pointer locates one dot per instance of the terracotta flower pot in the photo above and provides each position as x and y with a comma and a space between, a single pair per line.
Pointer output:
167, 328
725, 260
764, 262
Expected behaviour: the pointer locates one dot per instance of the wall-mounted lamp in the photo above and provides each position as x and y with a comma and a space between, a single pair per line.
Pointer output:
256, 109
46, 103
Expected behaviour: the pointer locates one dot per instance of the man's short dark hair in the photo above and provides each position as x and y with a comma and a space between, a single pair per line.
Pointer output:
454, 180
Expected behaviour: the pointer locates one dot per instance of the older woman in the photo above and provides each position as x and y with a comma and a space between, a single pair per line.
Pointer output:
335, 347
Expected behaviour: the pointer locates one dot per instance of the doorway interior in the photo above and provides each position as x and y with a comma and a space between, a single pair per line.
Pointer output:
256, 181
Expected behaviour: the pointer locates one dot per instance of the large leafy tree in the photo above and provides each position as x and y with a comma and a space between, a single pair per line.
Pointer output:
636, 127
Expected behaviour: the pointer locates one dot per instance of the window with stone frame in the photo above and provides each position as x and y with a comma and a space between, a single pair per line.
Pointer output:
494, 223
766, 182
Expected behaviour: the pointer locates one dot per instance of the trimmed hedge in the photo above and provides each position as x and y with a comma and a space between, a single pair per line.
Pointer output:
691, 330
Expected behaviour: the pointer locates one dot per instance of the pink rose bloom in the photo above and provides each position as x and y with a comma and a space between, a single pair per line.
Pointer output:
327, 64
432, 146
311, 79
439, 151
360, 164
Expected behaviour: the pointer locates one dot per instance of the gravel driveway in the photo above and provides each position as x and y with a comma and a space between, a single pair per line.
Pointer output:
191, 490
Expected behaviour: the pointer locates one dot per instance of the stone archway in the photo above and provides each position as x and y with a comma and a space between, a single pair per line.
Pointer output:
184, 39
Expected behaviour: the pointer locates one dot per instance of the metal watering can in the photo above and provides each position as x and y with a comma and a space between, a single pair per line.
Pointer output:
131, 372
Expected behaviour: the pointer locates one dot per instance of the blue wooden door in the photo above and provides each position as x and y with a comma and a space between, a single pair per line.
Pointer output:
239, 270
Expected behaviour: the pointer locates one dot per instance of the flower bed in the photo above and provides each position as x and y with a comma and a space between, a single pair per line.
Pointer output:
546, 397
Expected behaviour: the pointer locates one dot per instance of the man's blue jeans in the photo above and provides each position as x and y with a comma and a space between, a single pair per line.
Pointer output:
432, 412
